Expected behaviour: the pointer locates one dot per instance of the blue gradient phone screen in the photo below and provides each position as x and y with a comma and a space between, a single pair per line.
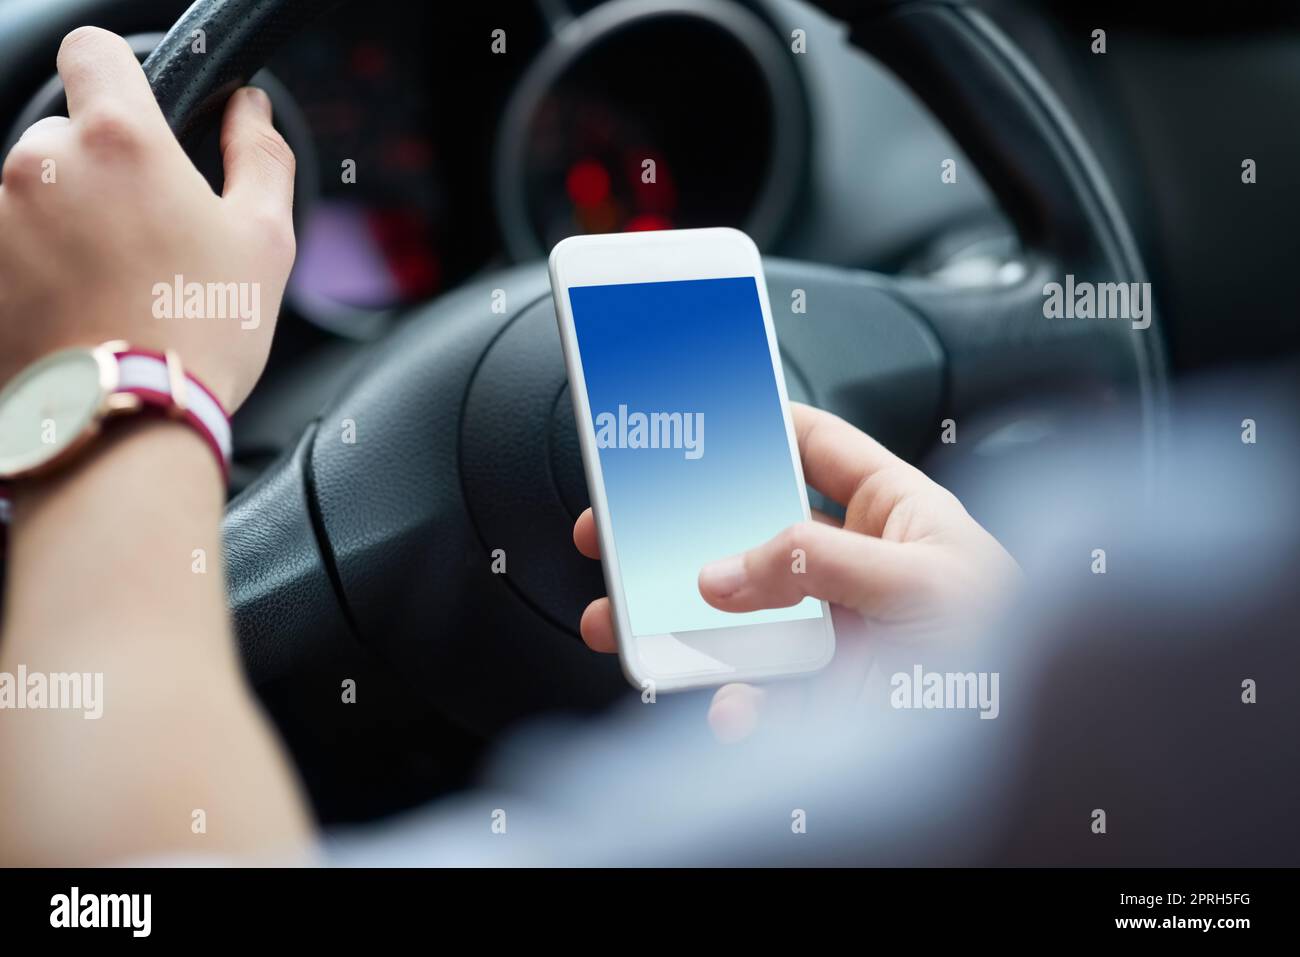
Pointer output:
691, 440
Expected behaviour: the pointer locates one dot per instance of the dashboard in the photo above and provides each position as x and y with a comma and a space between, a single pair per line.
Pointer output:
437, 141
442, 146
401, 121
437, 156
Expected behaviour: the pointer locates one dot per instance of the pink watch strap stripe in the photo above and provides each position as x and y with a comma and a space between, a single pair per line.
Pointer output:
145, 374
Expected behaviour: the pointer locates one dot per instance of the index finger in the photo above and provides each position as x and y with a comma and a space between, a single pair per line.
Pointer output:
99, 67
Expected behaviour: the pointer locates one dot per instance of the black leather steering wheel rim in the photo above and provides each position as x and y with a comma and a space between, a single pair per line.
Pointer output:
191, 88
389, 541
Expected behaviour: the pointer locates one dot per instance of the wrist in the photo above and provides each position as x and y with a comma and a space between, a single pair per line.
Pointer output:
145, 466
113, 541
158, 454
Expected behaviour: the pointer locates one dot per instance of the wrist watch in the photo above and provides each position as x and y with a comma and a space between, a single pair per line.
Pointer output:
55, 407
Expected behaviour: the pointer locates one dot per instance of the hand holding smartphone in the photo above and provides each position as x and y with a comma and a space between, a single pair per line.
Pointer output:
688, 446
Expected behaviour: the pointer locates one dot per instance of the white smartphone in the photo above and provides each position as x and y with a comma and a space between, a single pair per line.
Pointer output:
688, 445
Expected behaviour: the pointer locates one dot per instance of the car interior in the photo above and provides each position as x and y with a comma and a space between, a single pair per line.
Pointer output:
914, 173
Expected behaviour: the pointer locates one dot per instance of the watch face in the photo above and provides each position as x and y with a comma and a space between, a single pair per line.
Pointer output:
48, 408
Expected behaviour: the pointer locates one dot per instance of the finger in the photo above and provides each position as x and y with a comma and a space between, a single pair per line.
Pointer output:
597, 627
259, 165
837, 458
864, 573
584, 535
99, 69
734, 712
27, 159
46, 125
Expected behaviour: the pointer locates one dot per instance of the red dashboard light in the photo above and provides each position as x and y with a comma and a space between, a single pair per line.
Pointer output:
587, 183
369, 61
647, 222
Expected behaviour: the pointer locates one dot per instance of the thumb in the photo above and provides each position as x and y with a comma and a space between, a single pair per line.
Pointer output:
259, 165
870, 575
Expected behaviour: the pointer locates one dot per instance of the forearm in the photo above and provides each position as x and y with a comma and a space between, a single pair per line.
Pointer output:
115, 569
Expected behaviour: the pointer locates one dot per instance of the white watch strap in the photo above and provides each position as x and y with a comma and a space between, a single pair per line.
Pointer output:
148, 376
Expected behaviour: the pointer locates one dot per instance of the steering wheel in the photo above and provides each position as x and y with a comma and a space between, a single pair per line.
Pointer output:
454, 449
